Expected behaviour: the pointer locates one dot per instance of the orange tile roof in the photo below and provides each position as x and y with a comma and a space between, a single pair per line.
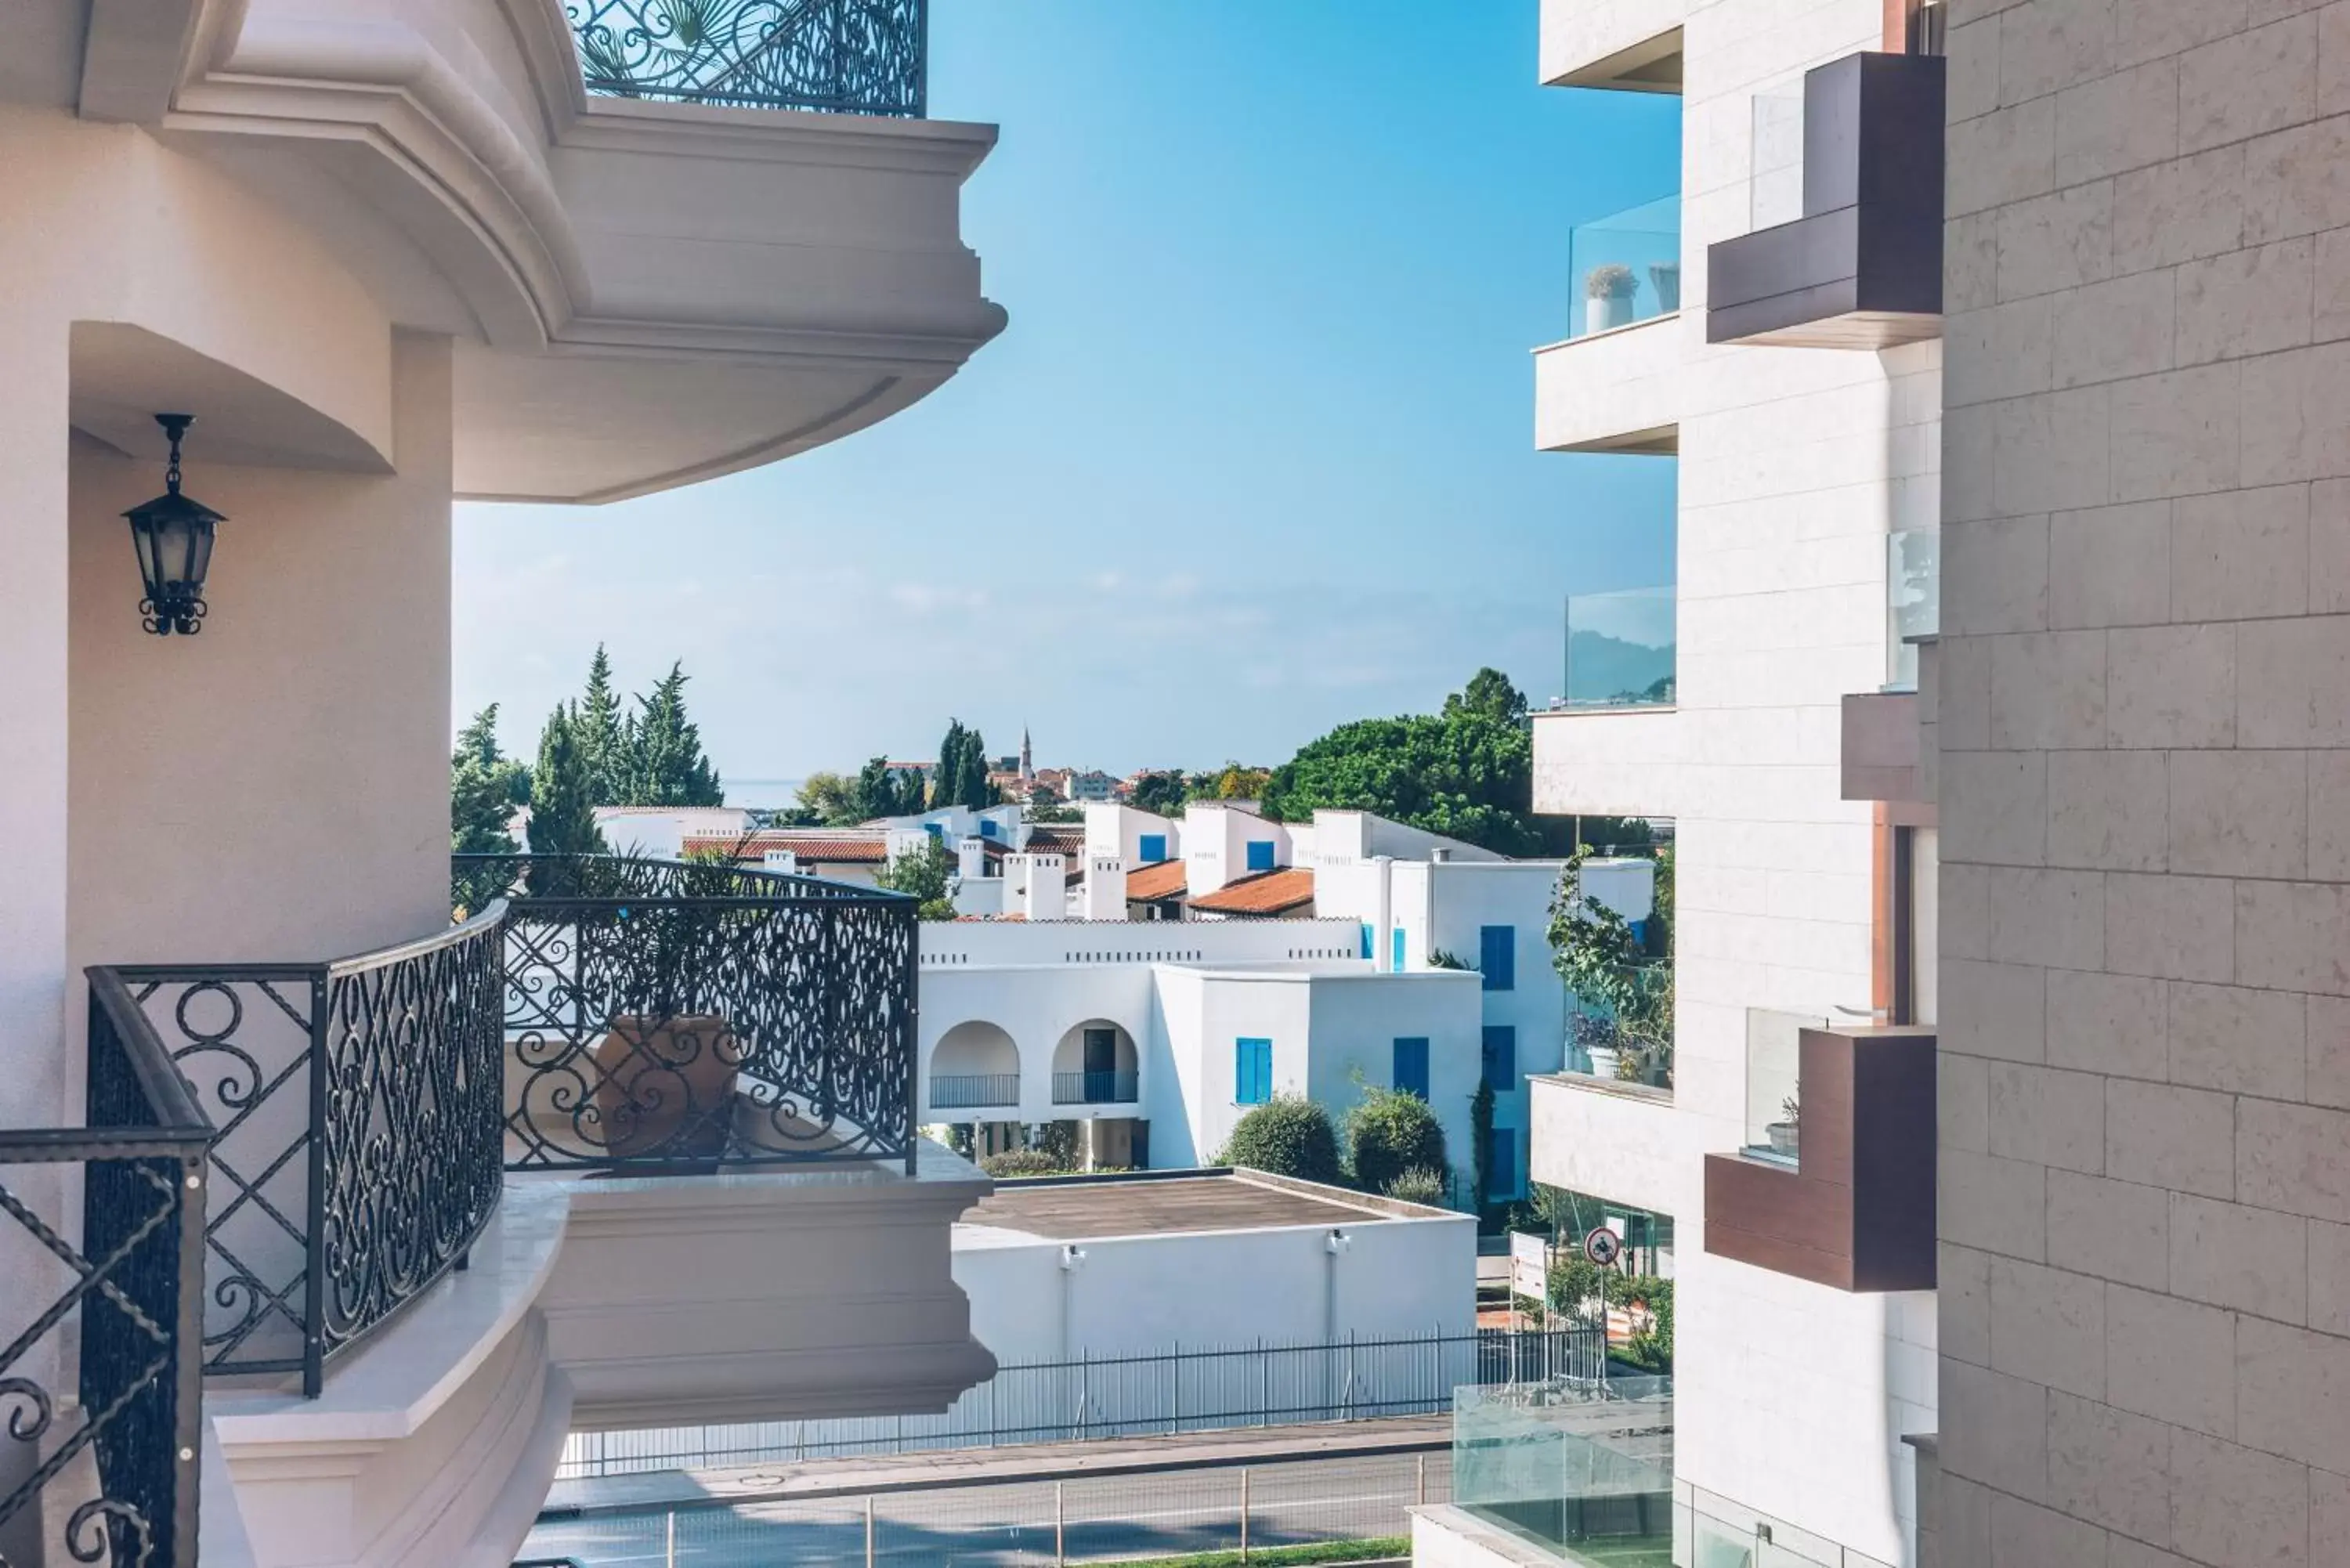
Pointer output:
1266, 893
1163, 879
845, 849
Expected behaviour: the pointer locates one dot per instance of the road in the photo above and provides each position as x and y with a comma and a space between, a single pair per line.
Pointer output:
1011, 1525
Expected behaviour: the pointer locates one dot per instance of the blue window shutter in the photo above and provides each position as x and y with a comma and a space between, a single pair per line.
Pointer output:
1259, 854
1395, 959
1411, 1073
1501, 1057
1371, 941
987, 827
935, 829
1154, 848
1251, 1072
1497, 956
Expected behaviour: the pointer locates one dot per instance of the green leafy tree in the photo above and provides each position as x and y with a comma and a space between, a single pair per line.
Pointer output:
829, 799
663, 746
561, 791
1288, 1136
1237, 782
599, 732
922, 875
1389, 1132
1469, 778
1161, 793
1488, 692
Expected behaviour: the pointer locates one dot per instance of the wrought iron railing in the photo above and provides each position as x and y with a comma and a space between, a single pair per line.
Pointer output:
117, 1456
1094, 1088
846, 56
966, 1091
672, 1016
359, 1105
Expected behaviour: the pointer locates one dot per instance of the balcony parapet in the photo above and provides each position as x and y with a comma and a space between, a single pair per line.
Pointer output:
1862, 266
1845, 1196
843, 56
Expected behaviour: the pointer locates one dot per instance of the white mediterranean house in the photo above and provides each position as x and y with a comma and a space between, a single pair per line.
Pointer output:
270, 1291
1357, 949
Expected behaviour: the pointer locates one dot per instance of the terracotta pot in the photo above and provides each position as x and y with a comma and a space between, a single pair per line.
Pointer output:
664, 1086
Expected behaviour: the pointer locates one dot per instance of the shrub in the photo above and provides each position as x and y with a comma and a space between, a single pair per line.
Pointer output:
1389, 1132
1288, 1136
1575, 1280
1422, 1186
1023, 1162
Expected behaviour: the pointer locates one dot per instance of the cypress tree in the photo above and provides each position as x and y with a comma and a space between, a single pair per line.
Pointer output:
665, 765
599, 730
562, 802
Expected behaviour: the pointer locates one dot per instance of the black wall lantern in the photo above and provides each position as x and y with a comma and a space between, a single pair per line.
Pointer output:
173, 536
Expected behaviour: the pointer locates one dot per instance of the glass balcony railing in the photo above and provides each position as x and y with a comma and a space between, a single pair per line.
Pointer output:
1913, 601
1626, 266
1774, 1081
1582, 1467
1620, 649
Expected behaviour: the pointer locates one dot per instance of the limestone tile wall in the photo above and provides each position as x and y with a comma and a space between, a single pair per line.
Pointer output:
2143, 712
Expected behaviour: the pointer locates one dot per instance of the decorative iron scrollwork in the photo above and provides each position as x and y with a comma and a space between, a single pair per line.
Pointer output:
846, 56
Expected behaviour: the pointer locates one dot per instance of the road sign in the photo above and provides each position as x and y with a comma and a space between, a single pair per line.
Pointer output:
1602, 1247
1529, 1265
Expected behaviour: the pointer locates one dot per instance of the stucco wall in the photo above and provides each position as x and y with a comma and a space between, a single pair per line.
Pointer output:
273, 788
1137, 1295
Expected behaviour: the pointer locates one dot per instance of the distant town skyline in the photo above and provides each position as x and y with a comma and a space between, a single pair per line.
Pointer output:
1252, 458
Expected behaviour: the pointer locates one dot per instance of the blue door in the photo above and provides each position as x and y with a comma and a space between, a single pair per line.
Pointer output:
1251, 1072
1501, 1179
1501, 1057
1497, 956
1371, 941
1394, 958
1410, 1073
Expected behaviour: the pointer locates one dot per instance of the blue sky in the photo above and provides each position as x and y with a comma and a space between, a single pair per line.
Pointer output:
1254, 457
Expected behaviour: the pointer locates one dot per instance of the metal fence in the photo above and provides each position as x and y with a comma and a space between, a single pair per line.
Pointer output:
98, 1452
1180, 1390
1034, 1524
661, 1015
358, 1104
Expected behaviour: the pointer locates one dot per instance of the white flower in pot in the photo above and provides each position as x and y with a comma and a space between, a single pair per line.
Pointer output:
1607, 292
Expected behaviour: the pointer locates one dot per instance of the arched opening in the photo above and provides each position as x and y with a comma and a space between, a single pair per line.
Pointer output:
1094, 1064
974, 1063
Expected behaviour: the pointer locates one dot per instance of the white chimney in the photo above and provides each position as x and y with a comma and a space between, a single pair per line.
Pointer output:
1105, 887
784, 861
970, 859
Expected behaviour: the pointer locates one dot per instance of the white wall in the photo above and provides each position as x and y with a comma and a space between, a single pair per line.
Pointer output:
661, 835
1215, 843
1133, 1295
1115, 829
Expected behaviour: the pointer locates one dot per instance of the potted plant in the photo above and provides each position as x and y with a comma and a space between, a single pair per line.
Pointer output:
1601, 1043
666, 1065
1666, 278
1785, 1134
1607, 290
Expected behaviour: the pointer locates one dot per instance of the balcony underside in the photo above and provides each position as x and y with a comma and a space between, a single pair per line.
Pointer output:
1847, 279
643, 294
